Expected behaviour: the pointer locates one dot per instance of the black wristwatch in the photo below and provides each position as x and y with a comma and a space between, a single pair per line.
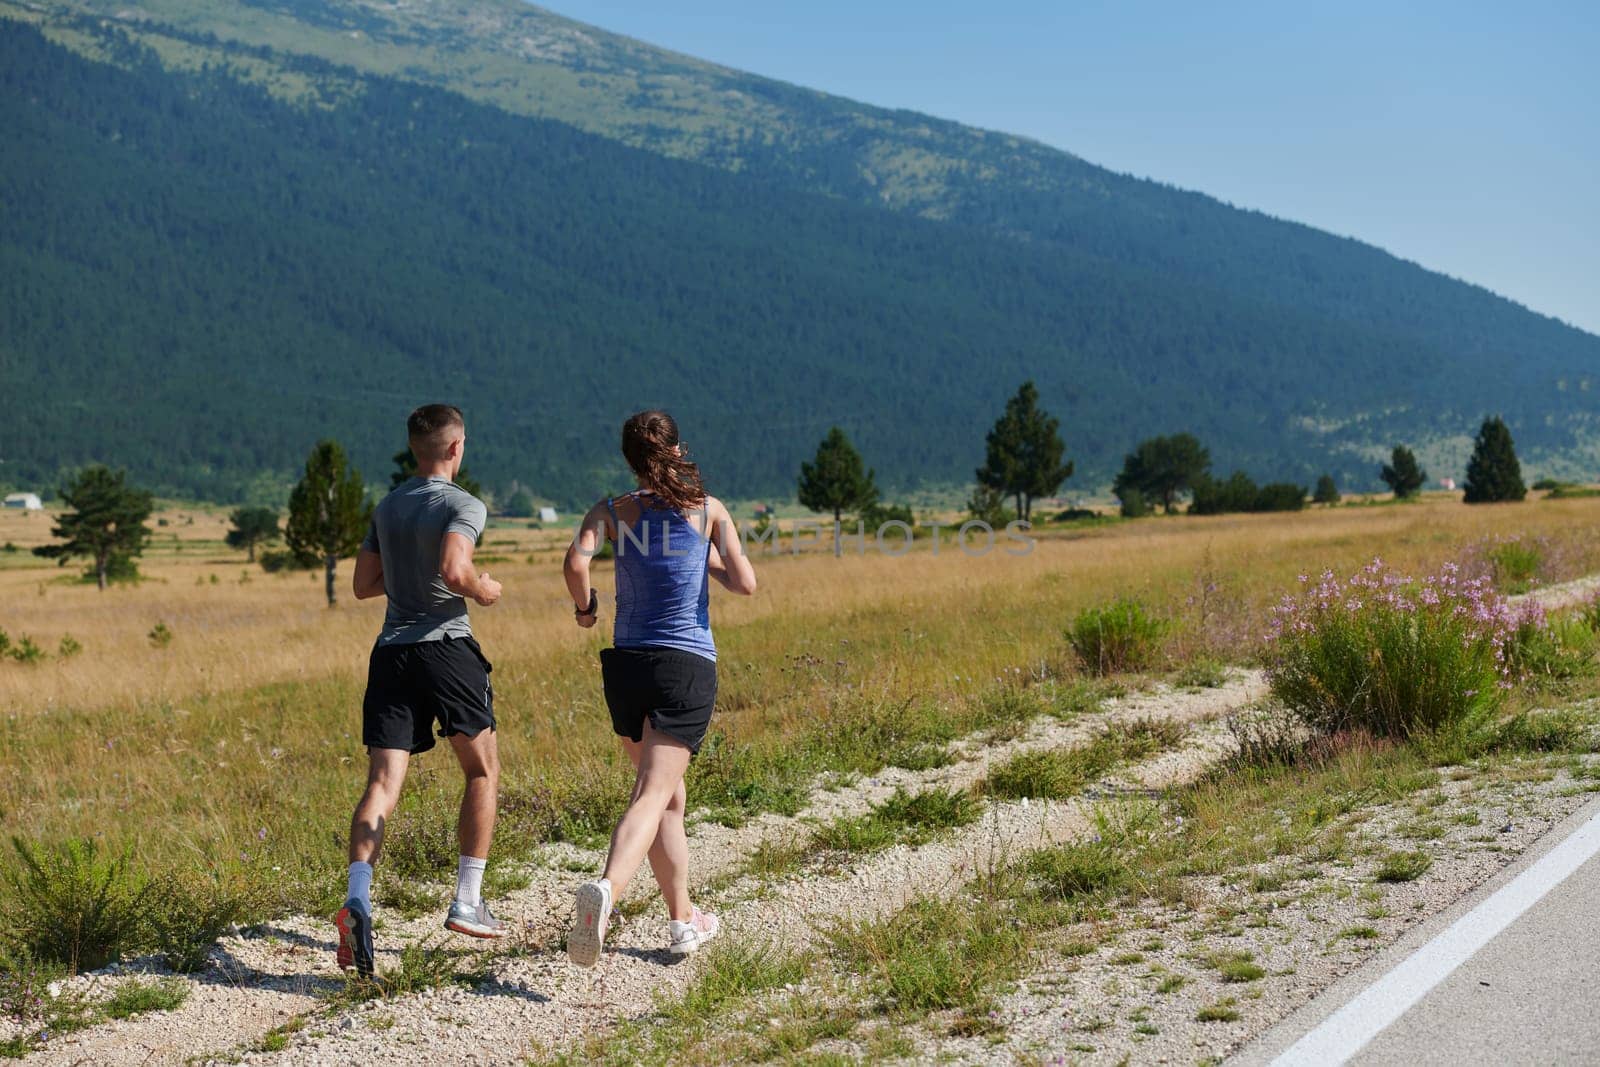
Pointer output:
594, 606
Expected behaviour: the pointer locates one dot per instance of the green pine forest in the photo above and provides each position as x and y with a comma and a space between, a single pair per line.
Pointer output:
199, 278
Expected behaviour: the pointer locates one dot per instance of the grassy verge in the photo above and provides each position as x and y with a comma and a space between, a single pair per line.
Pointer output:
938, 965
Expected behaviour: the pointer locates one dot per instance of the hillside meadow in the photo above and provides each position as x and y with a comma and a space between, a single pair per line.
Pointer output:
233, 744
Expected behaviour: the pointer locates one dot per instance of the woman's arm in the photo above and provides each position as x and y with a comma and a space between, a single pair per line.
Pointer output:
585, 544
727, 563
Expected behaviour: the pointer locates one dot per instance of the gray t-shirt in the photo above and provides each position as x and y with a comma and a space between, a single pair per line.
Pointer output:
408, 528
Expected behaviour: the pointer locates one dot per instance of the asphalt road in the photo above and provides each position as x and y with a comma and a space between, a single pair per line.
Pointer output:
1469, 987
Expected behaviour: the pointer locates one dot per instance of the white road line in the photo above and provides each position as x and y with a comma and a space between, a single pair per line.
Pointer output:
1348, 1030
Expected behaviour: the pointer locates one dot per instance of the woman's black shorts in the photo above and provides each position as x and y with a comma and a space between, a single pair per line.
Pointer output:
409, 687
674, 689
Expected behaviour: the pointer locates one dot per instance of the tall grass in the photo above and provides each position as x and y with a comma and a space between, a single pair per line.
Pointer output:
838, 665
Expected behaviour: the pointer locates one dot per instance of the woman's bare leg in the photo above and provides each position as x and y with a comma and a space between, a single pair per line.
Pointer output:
669, 852
658, 784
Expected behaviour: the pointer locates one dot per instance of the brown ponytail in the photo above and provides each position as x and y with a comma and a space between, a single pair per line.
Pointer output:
650, 445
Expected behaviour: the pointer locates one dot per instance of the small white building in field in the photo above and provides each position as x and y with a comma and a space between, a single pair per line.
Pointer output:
548, 514
1447, 483
25, 501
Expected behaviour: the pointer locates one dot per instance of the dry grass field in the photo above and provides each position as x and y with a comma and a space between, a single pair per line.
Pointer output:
237, 742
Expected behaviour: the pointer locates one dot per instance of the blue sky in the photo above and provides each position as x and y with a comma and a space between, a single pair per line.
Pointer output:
1464, 136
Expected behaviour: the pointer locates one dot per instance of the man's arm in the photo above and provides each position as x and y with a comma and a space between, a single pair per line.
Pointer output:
368, 579
459, 574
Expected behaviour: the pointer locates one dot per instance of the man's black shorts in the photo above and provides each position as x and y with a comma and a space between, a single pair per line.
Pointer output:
411, 686
674, 689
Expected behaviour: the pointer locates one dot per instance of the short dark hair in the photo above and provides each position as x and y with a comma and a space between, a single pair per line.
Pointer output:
429, 419
428, 424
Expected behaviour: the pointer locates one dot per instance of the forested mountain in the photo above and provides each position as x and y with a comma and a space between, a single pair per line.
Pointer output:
212, 253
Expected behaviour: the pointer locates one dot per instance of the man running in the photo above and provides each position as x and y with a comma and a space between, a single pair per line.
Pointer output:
426, 666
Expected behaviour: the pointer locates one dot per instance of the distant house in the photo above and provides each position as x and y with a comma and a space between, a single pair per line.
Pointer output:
1447, 483
548, 514
25, 501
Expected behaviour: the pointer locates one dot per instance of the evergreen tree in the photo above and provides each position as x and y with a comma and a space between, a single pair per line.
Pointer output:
328, 512
1402, 474
405, 468
837, 480
1494, 473
1327, 491
1134, 505
252, 527
521, 504
1162, 467
106, 523
1024, 452
988, 504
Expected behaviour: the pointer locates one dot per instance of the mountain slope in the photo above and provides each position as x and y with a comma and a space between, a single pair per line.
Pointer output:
310, 255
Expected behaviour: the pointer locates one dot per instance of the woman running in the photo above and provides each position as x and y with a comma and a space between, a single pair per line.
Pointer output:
660, 677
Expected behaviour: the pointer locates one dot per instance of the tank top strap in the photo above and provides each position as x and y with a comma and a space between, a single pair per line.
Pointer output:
611, 506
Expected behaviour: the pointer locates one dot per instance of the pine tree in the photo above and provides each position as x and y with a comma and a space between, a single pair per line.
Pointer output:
251, 527
1023, 457
1162, 467
328, 512
106, 523
1327, 491
1493, 473
837, 480
1402, 474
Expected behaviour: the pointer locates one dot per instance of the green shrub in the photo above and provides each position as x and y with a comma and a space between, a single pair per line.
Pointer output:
1116, 637
27, 1002
1202, 672
904, 818
135, 997
160, 635
70, 646
1223, 1011
197, 909
933, 954
23, 650
1403, 867
1071, 872
1134, 504
1589, 615
1390, 655
1515, 564
1546, 651
71, 904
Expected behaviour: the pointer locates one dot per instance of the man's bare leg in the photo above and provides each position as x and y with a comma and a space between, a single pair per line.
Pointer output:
386, 773
479, 757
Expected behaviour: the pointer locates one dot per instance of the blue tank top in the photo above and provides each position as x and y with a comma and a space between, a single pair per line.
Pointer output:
663, 586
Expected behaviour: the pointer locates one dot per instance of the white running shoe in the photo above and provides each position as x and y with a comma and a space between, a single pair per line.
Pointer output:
589, 919
688, 937
473, 920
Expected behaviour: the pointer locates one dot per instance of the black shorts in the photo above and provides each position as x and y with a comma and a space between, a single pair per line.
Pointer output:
674, 689
411, 686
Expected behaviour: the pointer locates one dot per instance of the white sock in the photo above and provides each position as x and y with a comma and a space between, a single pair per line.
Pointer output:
469, 880
360, 884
